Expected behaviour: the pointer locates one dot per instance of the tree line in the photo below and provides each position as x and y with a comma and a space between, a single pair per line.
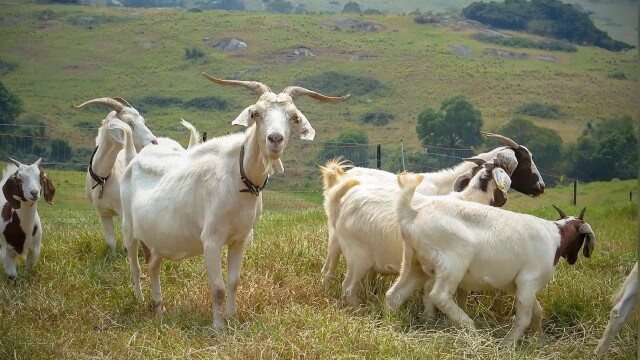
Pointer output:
550, 18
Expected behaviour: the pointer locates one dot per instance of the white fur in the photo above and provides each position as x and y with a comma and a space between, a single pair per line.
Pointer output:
456, 244
624, 301
363, 223
188, 203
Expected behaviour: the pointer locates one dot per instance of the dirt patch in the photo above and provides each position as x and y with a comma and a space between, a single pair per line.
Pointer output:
298, 54
146, 44
461, 50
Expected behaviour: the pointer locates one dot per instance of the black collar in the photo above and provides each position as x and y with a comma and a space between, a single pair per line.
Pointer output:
98, 179
251, 187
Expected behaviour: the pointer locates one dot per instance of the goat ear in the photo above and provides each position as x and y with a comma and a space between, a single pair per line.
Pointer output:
462, 181
47, 186
507, 160
12, 192
590, 240
245, 118
306, 131
502, 179
117, 128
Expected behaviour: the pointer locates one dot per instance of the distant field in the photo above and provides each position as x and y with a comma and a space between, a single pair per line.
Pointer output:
68, 54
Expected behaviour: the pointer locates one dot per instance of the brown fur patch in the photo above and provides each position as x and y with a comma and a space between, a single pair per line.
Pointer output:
6, 212
47, 187
570, 241
523, 179
13, 233
10, 188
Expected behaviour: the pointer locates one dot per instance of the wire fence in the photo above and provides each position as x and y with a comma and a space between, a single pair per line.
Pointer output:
299, 188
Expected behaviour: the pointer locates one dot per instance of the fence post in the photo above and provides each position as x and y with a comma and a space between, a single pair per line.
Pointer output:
378, 157
402, 155
204, 136
575, 191
631, 196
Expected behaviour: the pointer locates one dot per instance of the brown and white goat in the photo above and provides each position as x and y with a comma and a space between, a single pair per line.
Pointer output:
20, 226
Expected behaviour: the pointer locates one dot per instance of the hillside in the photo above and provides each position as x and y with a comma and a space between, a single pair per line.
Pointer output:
68, 54
619, 18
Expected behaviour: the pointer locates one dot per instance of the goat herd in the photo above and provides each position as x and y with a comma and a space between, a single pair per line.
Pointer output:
443, 231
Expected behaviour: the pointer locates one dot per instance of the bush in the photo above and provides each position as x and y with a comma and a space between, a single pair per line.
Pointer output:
543, 111
334, 84
193, 53
618, 75
207, 103
376, 118
7, 67
520, 42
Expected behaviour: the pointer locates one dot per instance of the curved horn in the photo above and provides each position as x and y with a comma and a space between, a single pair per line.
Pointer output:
108, 102
591, 240
295, 91
562, 214
475, 160
503, 139
582, 213
122, 101
257, 87
15, 162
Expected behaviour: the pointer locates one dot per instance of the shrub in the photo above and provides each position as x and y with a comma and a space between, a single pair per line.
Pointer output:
193, 53
376, 118
539, 110
618, 75
333, 83
207, 103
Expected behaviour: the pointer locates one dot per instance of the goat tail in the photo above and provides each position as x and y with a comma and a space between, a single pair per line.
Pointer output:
333, 171
194, 137
408, 183
631, 279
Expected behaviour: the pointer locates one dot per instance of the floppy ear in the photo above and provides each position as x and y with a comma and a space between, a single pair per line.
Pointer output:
502, 179
507, 159
47, 186
13, 192
246, 117
462, 181
306, 131
117, 128
590, 240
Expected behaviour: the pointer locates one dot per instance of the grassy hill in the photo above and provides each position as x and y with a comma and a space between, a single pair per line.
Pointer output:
68, 54
619, 18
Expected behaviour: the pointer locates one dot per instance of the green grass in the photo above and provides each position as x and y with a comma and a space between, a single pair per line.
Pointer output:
79, 303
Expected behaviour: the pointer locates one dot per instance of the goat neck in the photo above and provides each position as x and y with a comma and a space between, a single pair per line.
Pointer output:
255, 165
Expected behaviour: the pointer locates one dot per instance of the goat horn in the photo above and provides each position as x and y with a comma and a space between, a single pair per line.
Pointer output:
257, 87
122, 101
295, 91
15, 162
503, 139
475, 160
582, 213
108, 102
562, 214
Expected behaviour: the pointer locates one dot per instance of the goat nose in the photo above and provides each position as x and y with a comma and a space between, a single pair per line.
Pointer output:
275, 138
154, 141
34, 194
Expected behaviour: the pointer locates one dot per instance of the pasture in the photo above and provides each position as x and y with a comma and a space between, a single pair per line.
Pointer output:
79, 302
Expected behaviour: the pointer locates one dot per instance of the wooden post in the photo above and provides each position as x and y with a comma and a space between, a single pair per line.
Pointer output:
575, 192
204, 136
378, 157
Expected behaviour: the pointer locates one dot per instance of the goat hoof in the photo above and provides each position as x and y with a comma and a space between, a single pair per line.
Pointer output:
157, 307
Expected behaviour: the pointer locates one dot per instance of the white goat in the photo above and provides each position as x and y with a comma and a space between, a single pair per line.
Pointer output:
183, 204
363, 219
624, 301
102, 185
516, 158
465, 245
20, 227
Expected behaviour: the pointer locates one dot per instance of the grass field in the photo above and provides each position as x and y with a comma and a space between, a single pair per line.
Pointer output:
79, 303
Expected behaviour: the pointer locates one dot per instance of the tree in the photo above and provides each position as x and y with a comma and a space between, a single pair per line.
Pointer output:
10, 106
457, 124
545, 144
607, 151
60, 151
351, 7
